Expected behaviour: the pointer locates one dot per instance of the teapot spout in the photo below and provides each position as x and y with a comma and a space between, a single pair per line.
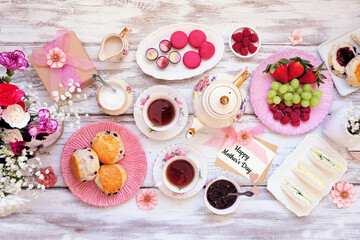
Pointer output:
195, 126
241, 77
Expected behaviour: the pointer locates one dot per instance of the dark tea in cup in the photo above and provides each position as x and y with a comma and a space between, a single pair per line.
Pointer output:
161, 112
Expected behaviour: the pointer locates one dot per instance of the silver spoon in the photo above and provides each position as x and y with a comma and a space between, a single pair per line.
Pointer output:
98, 78
247, 193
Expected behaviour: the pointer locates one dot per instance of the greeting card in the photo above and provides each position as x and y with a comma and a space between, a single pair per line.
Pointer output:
244, 154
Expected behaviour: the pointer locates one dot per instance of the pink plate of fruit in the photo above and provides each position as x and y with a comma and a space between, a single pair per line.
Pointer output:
291, 92
134, 163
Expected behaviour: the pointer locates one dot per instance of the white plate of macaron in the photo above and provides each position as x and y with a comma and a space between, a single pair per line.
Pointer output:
180, 51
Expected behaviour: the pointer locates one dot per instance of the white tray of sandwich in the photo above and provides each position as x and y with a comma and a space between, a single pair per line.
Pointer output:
307, 175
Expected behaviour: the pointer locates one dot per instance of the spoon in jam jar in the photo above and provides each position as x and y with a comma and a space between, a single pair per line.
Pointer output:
247, 193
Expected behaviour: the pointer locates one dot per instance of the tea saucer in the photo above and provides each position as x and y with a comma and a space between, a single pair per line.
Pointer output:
183, 112
180, 150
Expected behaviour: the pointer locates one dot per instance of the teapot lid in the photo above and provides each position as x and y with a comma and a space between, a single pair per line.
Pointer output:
222, 99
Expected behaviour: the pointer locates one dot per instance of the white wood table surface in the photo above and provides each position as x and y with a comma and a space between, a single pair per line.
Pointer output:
58, 214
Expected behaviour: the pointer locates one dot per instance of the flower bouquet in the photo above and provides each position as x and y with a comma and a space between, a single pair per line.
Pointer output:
26, 125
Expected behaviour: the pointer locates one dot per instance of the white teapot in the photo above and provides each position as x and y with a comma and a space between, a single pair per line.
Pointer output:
218, 101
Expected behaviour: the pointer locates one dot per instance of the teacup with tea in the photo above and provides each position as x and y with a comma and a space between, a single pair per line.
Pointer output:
160, 112
180, 174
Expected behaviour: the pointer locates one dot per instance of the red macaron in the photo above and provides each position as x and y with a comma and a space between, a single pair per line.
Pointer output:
207, 50
191, 59
197, 38
179, 39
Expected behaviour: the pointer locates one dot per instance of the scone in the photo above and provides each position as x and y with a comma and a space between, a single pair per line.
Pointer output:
111, 178
84, 164
109, 147
353, 72
356, 38
339, 56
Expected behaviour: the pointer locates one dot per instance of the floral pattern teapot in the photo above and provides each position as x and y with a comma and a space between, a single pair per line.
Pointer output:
218, 101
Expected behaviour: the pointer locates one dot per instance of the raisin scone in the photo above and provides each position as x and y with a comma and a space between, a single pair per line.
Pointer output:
353, 72
339, 56
109, 147
84, 164
111, 178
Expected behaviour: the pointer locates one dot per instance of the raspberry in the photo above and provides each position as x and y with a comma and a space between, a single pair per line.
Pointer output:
273, 107
284, 120
295, 124
245, 42
277, 115
236, 47
282, 106
296, 106
297, 111
246, 32
294, 117
252, 48
287, 111
237, 37
306, 110
254, 38
305, 116
244, 51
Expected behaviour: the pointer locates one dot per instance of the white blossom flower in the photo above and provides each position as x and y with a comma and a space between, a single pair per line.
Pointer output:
78, 90
72, 89
62, 97
55, 93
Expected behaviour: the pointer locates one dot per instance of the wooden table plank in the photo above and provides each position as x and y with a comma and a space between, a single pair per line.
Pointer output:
259, 217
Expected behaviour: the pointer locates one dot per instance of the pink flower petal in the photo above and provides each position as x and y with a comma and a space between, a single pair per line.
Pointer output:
340, 187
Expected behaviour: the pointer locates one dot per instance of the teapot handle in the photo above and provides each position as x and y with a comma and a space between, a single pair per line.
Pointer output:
124, 32
241, 77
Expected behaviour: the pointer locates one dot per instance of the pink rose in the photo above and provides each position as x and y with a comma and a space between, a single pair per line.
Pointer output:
295, 38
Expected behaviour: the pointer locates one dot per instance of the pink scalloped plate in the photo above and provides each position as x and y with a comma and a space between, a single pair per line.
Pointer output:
134, 163
261, 84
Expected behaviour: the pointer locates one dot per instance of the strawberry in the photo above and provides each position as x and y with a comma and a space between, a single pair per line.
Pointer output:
314, 75
279, 70
297, 67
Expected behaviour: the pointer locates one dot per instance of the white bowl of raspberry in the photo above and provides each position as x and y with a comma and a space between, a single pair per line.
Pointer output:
244, 41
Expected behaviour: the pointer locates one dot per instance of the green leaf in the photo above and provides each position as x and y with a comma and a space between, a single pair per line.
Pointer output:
322, 76
284, 61
272, 69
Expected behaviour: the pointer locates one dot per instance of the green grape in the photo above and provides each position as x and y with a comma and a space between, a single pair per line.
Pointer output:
305, 103
288, 103
291, 89
277, 100
280, 95
296, 98
283, 89
294, 83
275, 86
314, 102
288, 96
271, 94
299, 90
307, 87
270, 101
317, 94
306, 95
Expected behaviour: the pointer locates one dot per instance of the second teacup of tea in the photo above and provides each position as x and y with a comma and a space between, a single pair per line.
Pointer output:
180, 174
160, 112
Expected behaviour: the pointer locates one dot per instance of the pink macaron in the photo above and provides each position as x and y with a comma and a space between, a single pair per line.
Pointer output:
197, 38
191, 59
179, 39
207, 50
